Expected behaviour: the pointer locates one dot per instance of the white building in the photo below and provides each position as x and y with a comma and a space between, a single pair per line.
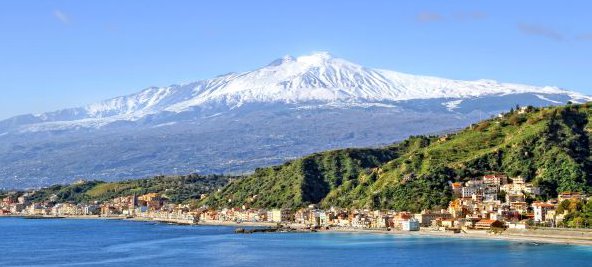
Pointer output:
540, 210
410, 225
278, 215
469, 191
495, 179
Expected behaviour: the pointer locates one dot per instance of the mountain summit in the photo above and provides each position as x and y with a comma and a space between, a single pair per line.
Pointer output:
314, 78
235, 122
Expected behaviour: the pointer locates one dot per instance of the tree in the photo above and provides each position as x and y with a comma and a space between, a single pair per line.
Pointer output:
575, 206
577, 222
563, 206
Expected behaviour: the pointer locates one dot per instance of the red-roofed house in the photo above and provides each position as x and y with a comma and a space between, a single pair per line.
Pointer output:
570, 196
488, 224
456, 188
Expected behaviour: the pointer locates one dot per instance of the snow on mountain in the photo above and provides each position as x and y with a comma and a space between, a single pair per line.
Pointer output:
237, 122
318, 77
321, 77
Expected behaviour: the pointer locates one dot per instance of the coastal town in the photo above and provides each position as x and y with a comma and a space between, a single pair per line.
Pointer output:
493, 201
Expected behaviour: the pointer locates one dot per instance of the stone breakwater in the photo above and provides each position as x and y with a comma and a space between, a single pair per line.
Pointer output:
280, 229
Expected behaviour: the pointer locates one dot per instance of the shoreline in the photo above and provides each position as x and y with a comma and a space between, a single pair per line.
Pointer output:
529, 235
476, 234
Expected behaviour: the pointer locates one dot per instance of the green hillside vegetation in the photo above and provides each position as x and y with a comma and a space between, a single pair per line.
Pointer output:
302, 181
548, 146
579, 214
178, 189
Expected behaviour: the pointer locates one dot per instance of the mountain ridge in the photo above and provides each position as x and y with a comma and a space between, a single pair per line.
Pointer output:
319, 77
237, 122
549, 147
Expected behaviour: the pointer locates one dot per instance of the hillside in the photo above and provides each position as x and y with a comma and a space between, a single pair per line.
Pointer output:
548, 146
236, 122
305, 180
178, 189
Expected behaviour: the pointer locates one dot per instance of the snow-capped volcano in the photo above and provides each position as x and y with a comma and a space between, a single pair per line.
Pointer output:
238, 121
321, 77
318, 77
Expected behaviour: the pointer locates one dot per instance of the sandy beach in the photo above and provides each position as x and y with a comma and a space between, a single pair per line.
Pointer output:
530, 236
560, 236
551, 236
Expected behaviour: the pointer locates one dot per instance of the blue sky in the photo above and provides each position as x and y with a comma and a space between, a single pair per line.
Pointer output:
56, 54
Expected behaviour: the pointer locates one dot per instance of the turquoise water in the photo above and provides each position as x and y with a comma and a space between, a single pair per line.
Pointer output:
123, 243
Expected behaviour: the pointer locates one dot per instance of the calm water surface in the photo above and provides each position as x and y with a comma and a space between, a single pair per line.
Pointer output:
123, 243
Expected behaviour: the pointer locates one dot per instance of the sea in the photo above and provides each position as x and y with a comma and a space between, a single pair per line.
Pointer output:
69, 242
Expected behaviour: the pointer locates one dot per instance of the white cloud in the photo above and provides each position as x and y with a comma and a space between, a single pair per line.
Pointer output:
427, 16
61, 16
585, 37
538, 30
